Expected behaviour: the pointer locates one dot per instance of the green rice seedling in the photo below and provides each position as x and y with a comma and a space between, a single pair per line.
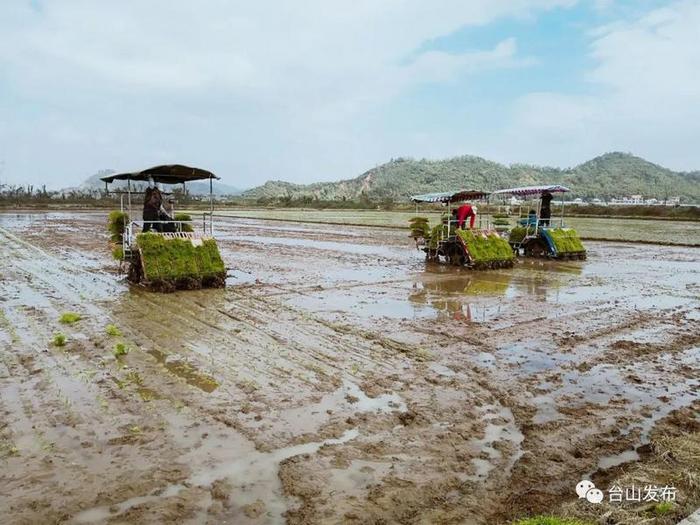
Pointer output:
566, 240
134, 378
69, 318
185, 218
423, 354
486, 248
120, 349
180, 264
116, 222
112, 331
663, 508
8, 448
58, 339
437, 234
419, 227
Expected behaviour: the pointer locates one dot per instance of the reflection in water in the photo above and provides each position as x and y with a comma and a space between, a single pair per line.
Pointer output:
468, 295
448, 291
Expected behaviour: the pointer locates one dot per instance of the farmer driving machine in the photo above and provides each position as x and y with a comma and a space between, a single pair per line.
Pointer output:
455, 242
537, 233
165, 251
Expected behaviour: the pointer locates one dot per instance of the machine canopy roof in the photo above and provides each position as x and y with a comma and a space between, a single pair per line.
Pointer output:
533, 190
166, 174
451, 196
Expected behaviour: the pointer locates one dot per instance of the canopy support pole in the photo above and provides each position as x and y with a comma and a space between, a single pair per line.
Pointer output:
449, 219
561, 221
211, 206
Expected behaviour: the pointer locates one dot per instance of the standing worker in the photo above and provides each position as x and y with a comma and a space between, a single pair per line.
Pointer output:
152, 203
464, 211
545, 209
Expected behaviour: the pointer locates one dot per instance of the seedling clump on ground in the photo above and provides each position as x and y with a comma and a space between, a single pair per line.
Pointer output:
120, 349
663, 508
70, 318
112, 330
58, 339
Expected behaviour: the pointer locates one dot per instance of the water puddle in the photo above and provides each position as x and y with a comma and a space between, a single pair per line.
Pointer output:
348, 398
532, 358
252, 477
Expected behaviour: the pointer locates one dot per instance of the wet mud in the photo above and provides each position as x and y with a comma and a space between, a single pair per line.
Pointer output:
339, 378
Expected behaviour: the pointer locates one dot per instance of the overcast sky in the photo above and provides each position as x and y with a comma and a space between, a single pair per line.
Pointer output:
309, 90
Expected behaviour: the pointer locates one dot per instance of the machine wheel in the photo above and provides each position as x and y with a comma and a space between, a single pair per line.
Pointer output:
536, 248
456, 256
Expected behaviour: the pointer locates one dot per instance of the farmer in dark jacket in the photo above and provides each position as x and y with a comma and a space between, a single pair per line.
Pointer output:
545, 209
152, 202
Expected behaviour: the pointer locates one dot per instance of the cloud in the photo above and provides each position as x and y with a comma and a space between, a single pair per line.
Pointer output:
256, 89
643, 95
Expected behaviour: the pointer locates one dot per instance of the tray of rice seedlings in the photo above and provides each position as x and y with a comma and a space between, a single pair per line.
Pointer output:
518, 233
501, 222
565, 242
419, 227
438, 233
486, 249
168, 264
116, 224
185, 221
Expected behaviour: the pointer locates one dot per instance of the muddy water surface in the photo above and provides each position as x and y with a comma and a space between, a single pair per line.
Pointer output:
338, 378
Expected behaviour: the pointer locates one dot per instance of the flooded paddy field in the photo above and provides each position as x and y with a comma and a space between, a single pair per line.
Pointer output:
646, 230
338, 378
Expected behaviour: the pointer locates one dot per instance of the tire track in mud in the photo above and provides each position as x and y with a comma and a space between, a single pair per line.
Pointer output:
264, 304
253, 313
209, 325
59, 279
253, 353
51, 406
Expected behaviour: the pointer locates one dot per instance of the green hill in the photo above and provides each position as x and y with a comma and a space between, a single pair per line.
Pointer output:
610, 175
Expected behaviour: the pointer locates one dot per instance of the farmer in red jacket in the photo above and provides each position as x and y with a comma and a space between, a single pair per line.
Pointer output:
464, 211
